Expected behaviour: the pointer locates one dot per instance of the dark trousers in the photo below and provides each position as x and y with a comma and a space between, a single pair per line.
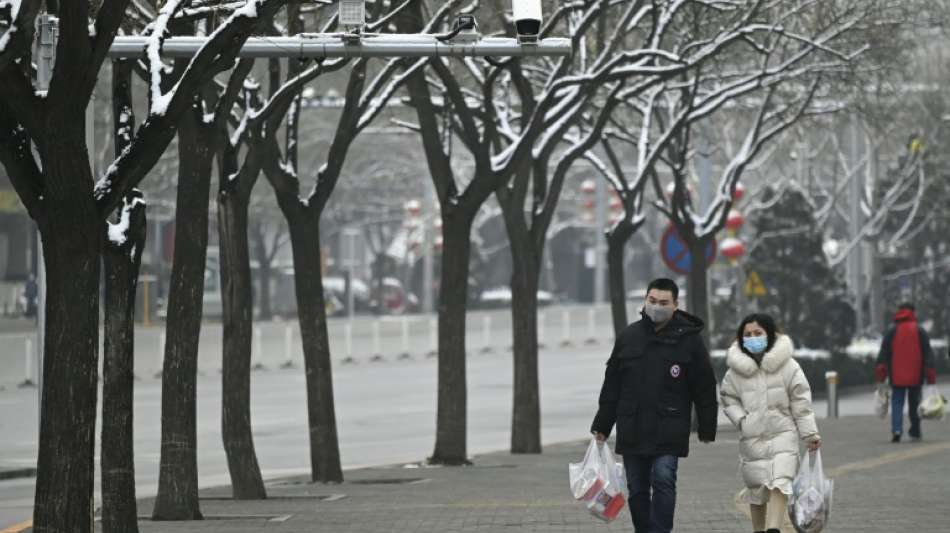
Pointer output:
652, 483
897, 409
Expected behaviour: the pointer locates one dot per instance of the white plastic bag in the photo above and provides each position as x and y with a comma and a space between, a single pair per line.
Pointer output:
934, 405
598, 481
810, 505
882, 400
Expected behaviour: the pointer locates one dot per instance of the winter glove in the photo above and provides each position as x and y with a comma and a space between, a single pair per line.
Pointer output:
880, 372
932, 376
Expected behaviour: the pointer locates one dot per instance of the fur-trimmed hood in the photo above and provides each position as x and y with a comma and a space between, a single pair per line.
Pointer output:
773, 360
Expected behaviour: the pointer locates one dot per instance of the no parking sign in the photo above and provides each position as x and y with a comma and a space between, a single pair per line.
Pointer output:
676, 254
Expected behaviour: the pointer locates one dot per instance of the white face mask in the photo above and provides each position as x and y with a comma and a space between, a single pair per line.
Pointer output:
659, 314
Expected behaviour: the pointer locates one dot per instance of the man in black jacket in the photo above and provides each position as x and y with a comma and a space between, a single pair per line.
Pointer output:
658, 370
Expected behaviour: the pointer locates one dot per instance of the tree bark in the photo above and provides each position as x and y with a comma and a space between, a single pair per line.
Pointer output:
177, 497
237, 309
616, 242
698, 301
304, 225
72, 231
526, 409
451, 417
121, 263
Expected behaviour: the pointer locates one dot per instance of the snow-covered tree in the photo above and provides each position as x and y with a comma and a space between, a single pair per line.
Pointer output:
43, 148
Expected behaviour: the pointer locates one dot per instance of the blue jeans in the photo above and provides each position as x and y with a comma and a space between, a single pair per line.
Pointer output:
652, 512
897, 410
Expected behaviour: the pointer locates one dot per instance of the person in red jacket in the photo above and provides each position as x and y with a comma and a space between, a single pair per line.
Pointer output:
907, 358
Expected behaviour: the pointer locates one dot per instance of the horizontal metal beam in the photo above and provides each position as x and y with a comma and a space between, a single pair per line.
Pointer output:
326, 45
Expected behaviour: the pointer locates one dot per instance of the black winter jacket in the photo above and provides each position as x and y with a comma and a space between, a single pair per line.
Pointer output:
651, 383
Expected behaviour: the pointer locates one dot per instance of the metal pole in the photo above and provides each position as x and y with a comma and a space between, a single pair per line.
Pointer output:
486, 333
348, 335
854, 225
831, 378
428, 216
600, 241
329, 45
40, 325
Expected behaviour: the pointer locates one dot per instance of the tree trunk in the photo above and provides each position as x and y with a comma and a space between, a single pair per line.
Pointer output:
237, 306
121, 262
616, 242
311, 310
72, 242
177, 497
450, 438
698, 301
526, 418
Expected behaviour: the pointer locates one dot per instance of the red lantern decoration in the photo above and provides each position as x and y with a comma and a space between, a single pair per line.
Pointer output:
588, 186
732, 248
735, 220
738, 193
414, 207
616, 203
587, 203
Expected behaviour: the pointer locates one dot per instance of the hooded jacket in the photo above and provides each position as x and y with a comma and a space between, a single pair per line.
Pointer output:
906, 355
770, 404
652, 380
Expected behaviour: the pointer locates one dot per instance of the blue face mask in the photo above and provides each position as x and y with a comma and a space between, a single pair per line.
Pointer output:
755, 345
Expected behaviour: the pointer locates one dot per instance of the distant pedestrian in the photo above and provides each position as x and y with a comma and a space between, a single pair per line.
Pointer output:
766, 396
658, 369
907, 358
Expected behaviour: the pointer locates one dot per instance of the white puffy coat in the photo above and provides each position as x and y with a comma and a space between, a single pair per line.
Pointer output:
771, 406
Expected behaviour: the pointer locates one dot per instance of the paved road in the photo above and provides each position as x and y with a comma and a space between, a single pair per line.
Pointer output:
879, 488
386, 412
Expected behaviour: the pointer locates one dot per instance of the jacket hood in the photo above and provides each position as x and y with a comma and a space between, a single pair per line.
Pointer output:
772, 361
680, 325
905, 315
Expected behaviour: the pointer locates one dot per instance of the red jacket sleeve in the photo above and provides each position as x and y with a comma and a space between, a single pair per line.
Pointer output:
932, 375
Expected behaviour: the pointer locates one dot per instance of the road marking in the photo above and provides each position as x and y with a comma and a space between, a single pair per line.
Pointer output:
17, 528
857, 466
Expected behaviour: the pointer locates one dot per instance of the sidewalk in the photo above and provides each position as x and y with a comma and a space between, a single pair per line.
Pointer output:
880, 487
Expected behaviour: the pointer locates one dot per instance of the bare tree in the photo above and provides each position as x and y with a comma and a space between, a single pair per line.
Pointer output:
364, 100
56, 186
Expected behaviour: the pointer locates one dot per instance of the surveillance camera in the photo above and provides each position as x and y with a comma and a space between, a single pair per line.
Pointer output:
352, 14
527, 15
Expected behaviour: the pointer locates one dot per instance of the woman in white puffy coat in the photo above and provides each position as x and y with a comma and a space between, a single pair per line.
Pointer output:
766, 396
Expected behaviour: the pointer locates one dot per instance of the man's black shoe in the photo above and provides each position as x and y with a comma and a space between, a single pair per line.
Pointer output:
896, 438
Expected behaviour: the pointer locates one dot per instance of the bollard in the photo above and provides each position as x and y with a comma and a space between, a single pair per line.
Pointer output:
258, 352
540, 330
161, 354
28, 369
433, 338
348, 334
405, 339
377, 345
486, 334
288, 347
591, 326
831, 378
566, 328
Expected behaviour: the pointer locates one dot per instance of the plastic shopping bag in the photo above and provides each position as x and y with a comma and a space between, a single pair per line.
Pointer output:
934, 405
810, 505
882, 400
598, 481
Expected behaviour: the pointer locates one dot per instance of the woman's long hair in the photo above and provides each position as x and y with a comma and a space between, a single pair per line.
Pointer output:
767, 323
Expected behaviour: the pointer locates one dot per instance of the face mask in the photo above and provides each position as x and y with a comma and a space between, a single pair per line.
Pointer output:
755, 345
659, 314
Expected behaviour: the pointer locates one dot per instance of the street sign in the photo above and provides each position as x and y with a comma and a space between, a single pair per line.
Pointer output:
754, 286
676, 254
